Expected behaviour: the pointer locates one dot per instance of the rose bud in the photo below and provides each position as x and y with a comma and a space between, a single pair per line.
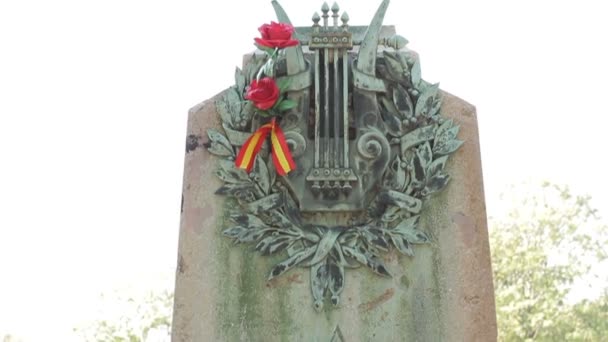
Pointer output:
263, 93
276, 35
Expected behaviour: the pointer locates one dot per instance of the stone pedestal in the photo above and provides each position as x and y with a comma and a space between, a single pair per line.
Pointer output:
444, 293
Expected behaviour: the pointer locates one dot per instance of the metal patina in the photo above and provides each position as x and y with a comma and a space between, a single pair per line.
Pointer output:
369, 144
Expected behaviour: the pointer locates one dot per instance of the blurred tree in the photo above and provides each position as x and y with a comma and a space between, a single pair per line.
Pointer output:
588, 321
146, 319
545, 247
11, 338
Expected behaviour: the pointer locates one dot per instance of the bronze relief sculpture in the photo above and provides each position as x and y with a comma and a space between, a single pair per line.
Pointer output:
367, 142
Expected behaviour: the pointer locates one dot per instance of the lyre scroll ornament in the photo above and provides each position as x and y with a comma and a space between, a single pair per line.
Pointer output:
369, 146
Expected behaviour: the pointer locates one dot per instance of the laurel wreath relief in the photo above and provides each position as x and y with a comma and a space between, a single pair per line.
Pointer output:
268, 216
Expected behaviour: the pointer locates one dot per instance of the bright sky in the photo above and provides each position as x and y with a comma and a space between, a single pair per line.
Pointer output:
93, 106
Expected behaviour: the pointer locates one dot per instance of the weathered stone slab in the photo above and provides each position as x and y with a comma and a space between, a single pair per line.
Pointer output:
444, 293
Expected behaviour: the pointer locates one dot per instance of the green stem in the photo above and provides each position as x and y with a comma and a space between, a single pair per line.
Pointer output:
268, 65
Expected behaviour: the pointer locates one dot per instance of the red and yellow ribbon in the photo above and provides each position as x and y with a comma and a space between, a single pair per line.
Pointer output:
281, 156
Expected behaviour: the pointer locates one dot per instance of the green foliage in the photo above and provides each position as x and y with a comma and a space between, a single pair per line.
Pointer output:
139, 319
286, 104
547, 244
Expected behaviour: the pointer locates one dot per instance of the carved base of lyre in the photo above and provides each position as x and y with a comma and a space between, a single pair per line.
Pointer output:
330, 183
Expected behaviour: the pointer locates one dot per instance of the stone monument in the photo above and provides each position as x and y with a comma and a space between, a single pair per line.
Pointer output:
332, 194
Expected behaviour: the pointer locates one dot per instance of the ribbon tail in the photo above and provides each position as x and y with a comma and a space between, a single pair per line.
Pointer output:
251, 147
281, 156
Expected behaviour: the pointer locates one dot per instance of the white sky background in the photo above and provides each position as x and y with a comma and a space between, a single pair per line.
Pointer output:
93, 107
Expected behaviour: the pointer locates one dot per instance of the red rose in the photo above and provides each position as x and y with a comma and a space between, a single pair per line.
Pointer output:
276, 35
264, 94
